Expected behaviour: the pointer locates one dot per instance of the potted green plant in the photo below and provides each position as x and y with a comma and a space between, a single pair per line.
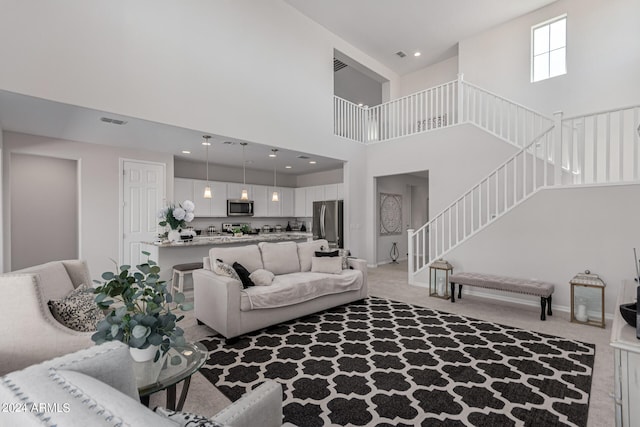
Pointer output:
140, 311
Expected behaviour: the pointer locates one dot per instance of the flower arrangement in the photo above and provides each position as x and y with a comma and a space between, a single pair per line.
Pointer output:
140, 309
178, 216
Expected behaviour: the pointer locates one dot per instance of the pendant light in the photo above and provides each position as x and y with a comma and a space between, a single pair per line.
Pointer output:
274, 196
207, 189
245, 194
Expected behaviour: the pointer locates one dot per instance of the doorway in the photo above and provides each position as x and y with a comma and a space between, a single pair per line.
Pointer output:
44, 209
143, 195
410, 192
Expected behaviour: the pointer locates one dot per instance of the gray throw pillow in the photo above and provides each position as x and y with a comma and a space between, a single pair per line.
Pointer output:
78, 310
222, 269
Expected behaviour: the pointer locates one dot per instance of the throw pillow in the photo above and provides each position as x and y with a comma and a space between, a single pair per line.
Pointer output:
328, 254
186, 419
262, 277
331, 265
343, 253
78, 310
244, 275
222, 269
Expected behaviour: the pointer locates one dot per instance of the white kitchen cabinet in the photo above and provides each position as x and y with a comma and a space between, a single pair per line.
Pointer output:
300, 202
331, 192
287, 200
274, 209
340, 191
234, 190
182, 190
260, 200
626, 356
219, 199
216, 205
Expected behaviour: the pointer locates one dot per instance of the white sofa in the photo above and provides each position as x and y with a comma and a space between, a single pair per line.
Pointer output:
222, 304
33, 334
97, 387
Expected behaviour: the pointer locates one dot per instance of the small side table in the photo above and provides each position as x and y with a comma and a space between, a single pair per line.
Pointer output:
193, 356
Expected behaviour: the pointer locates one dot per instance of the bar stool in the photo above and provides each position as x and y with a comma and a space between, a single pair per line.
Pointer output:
180, 270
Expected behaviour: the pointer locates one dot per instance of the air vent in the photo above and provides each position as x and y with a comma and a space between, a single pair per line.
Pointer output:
401, 54
113, 121
302, 157
229, 142
338, 65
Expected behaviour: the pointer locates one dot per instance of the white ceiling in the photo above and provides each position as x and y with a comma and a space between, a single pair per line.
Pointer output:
35, 116
380, 28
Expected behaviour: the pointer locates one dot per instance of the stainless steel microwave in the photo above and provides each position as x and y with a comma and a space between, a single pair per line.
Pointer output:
238, 207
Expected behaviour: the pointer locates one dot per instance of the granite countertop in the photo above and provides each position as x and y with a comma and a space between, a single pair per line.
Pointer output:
229, 239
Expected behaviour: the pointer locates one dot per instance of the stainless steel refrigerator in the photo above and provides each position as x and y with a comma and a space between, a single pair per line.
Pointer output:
328, 222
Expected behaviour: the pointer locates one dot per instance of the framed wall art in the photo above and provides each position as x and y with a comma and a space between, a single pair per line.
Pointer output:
390, 214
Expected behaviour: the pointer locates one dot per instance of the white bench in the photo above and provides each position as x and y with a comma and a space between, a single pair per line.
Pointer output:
543, 290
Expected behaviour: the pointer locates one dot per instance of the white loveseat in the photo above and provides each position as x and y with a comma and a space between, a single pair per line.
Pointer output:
222, 304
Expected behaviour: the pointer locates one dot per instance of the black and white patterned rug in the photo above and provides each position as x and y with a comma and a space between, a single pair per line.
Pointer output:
384, 363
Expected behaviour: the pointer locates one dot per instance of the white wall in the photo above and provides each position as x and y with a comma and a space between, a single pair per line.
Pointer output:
434, 75
556, 234
603, 58
2, 233
99, 191
397, 184
334, 176
457, 158
44, 209
255, 71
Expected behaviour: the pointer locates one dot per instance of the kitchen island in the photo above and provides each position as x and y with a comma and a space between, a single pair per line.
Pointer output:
168, 254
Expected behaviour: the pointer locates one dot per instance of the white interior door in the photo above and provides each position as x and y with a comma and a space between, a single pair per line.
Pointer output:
143, 194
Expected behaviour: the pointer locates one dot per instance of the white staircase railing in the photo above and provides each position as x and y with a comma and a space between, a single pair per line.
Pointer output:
419, 112
507, 186
602, 147
349, 120
441, 106
597, 148
501, 117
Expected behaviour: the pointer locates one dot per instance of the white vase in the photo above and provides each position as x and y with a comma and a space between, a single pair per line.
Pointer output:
143, 354
173, 236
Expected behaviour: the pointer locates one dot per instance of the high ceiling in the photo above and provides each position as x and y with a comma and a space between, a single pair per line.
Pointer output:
380, 28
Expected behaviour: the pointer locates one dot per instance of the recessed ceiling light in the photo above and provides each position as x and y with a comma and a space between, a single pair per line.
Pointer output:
206, 139
186, 152
416, 54
312, 162
360, 104
273, 152
287, 167
206, 143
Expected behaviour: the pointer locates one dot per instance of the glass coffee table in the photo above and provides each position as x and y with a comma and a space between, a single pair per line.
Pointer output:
153, 377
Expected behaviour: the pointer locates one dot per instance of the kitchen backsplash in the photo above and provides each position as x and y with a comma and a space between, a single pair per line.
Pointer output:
204, 223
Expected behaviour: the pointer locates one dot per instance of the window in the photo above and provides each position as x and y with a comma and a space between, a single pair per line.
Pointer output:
549, 49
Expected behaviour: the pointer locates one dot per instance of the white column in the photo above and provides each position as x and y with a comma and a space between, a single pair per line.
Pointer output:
460, 100
411, 256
